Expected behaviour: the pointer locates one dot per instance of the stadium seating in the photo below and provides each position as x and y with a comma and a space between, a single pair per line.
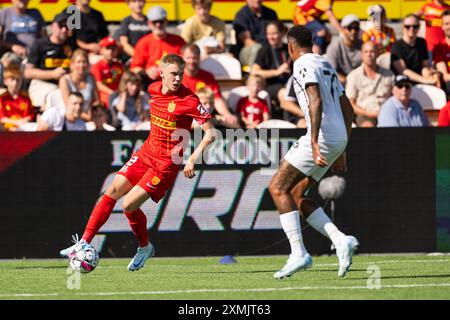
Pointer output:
431, 98
276, 123
384, 60
222, 66
54, 99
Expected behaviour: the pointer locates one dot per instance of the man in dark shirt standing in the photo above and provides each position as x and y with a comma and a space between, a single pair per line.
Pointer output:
409, 55
49, 59
93, 27
250, 27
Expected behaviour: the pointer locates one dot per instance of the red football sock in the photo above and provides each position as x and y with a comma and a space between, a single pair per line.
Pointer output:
98, 217
138, 223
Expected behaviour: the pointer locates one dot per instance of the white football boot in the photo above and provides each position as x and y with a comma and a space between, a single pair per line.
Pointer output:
345, 251
141, 256
295, 263
64, 253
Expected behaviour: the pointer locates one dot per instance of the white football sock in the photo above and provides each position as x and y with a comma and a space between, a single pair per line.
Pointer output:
320, 221
290, 221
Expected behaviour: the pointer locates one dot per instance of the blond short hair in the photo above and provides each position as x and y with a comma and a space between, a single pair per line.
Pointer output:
257, 78
205, 92
173, 59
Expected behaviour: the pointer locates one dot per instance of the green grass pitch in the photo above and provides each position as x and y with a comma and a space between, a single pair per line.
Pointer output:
400, 277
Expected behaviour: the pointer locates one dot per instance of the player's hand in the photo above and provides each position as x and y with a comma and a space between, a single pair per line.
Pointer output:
189, 169
340, 165
319, 159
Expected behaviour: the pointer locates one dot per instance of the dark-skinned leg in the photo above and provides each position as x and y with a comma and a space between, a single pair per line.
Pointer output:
313, 213
280, 187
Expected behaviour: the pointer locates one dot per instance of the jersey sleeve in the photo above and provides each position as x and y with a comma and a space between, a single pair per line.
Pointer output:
198, 112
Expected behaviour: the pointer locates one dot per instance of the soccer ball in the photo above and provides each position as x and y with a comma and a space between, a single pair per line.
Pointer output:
83, 258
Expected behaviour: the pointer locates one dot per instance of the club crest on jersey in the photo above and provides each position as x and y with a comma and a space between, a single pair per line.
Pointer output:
155, 180
171, 106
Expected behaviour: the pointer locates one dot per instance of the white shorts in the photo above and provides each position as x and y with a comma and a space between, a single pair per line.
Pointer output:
300, 156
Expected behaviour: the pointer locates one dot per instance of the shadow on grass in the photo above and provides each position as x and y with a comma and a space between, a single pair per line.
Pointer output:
38, 267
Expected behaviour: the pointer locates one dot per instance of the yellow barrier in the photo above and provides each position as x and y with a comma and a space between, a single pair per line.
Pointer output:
179, 10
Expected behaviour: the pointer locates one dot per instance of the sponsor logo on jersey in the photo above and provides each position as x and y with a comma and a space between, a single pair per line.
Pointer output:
163, 123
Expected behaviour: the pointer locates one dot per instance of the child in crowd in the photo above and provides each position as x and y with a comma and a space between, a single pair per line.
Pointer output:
206, 97
108, 70
15, 105
379, 33
252, 109
131, 103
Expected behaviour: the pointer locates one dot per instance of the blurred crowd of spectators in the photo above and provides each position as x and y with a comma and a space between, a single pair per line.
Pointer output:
57, 77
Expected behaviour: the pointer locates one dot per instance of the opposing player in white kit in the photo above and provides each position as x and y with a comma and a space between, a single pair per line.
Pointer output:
329, 116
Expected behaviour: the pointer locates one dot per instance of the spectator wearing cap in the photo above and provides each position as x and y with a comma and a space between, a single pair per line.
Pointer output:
441, 52
206, 30
431, 12
195, 78
344, 53
369, 86
250, 28
151, 48
133, 27
15, 105
49, 59
108, 70
400, 110
409, 55
92, 29
21, 27
378, 32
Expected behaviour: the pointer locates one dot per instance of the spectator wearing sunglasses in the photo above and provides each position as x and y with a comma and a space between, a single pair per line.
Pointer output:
344, 53
400, 110
409, 55
151, 48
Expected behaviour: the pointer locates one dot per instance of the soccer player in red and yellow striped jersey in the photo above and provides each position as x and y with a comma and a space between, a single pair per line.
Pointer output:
152, 170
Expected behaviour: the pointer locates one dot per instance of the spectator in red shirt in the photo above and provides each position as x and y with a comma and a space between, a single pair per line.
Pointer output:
252, 109
15, 106
441, 52
151, 48
432, 12
195, 78
108, 70
444, 116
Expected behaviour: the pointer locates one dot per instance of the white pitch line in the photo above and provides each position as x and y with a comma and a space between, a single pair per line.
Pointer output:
395, 286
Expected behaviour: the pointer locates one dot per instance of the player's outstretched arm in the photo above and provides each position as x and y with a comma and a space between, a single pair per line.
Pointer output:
315, 114
347, 112
208, 138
